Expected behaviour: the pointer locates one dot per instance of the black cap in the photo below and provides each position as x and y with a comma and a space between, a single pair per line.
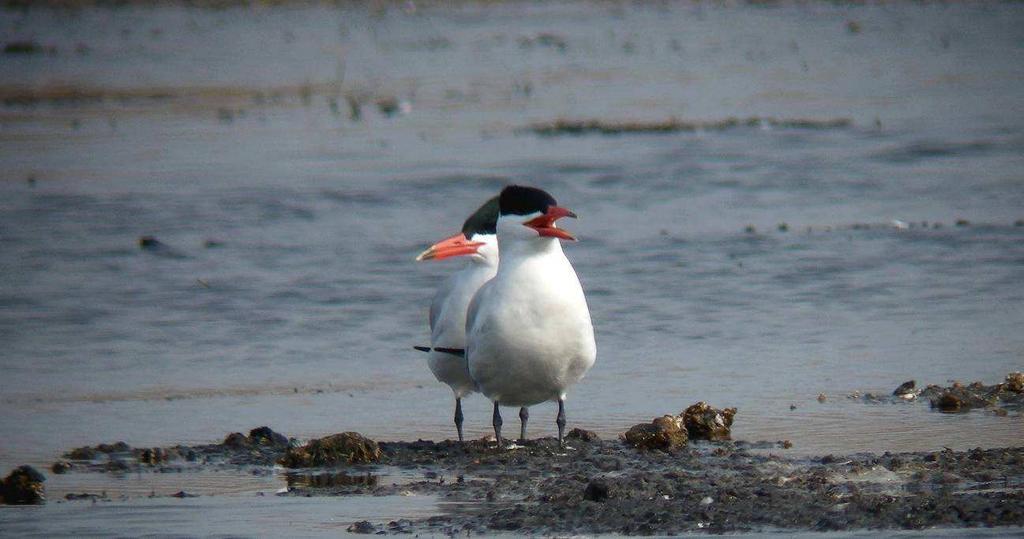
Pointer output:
520, 200
483, 221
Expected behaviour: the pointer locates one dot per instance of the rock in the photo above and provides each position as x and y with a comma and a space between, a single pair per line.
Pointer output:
582, 434
1015, 382
266, 436
225, 115
24, 486
61, 466
388, 105
544, 39
906, 390
706, 423
344, 448
363, 526
948, 402
236, 440
355, 108
71, 496
664, 433
596, 491
22, 47
116, 447
117, 466
81, 453
151, 456
149, 242
92, 453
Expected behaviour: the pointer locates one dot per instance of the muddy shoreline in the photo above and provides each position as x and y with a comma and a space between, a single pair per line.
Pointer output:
597, 486
676, 474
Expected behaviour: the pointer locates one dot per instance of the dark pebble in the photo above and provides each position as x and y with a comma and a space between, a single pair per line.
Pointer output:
149, 242
363, 526
22, 47
582, 434
23, 486
266, 436
236, 440
905, 388
596, 491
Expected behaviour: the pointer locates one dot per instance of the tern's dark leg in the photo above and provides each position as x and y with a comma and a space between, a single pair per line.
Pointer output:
561, 421
496, 421
458, 416
524, 416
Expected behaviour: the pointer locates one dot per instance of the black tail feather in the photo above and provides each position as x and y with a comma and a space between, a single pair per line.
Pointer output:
452, 351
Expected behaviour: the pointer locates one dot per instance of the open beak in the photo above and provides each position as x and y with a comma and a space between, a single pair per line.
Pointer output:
545, 224
456, 245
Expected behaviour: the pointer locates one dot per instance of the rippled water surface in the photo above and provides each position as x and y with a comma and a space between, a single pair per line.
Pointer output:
287, 294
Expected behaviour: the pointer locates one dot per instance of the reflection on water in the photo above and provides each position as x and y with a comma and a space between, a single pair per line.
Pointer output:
330, 479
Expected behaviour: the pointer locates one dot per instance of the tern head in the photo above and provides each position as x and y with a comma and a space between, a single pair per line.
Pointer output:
528, 212
476, 240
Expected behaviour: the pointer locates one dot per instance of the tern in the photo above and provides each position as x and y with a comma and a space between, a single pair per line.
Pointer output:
448, 309
528, 331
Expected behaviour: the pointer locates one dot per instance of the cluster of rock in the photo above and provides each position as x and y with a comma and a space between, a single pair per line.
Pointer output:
958, 397
961, 398
698, 422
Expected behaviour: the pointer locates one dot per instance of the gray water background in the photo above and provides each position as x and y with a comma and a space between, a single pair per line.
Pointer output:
303, 316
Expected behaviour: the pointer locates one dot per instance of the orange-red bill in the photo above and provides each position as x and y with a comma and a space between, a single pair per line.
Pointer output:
456, 245
545, 224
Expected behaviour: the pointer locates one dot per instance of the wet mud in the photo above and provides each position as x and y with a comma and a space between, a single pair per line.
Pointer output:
592, 485
610, 487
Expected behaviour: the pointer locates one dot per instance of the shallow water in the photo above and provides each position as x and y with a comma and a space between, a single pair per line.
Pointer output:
303, 315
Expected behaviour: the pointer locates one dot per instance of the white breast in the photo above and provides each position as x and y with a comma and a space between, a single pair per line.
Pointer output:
529, 334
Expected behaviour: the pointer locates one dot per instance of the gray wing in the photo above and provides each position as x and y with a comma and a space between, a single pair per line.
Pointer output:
474, 306
437, 304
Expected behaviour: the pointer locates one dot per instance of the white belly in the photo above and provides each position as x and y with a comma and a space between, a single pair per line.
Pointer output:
531, 337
